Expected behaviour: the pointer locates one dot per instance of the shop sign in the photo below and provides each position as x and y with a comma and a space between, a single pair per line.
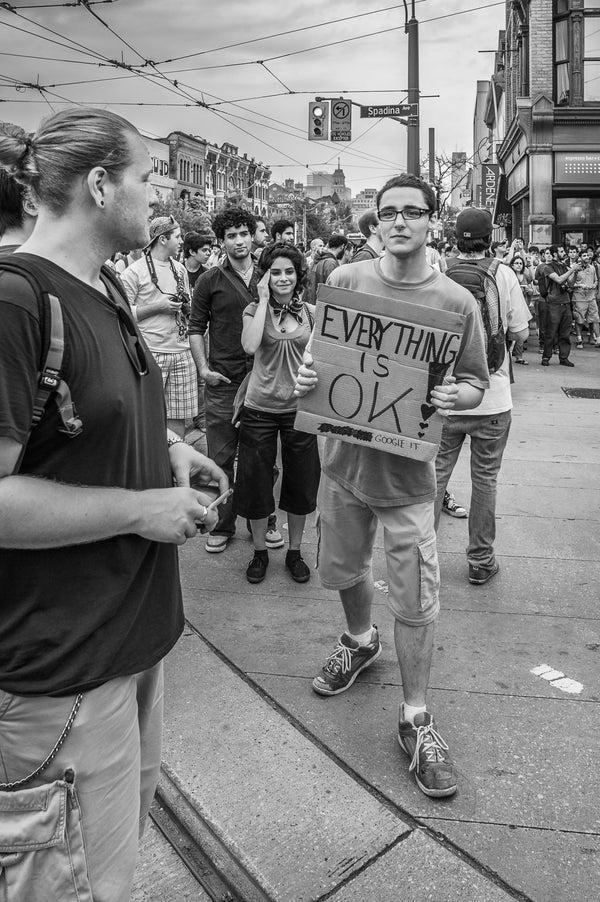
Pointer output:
577, 168
490, 176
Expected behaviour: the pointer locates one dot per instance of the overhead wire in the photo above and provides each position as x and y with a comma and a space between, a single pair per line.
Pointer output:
175, 86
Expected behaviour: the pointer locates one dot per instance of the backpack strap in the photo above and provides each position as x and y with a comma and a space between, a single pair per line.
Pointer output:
52, 361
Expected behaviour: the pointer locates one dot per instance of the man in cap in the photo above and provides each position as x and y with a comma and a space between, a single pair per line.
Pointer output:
158, 290
488, 424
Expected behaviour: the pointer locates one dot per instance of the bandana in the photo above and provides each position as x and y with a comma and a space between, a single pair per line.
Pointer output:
294, 308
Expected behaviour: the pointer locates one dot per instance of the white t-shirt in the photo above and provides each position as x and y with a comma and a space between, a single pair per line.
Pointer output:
515, 317
161, 330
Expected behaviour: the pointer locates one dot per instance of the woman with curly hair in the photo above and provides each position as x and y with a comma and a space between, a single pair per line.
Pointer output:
276, 330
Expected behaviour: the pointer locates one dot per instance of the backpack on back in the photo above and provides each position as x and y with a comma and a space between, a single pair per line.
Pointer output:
479, 277
55, 346
542, 282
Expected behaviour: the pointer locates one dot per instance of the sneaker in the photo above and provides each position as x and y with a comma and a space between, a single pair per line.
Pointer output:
566, 362
257, 568
274, 538
297, 567
545, 361
480, 575
344, 664
215, 544
430, 760
450, 506
579, 346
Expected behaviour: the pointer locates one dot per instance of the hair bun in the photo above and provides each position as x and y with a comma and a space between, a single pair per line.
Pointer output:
16, 144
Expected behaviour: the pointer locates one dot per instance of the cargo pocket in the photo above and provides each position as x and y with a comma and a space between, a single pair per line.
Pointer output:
429, 574
42, 851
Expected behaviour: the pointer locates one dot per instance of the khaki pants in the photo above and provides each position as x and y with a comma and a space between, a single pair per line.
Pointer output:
63, 840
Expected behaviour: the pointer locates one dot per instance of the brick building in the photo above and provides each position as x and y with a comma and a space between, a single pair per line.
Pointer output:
217, 175
550, 152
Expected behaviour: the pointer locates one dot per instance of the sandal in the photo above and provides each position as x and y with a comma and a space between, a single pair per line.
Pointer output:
522, 362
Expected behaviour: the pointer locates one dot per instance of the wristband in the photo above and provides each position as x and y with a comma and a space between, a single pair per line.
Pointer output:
174, 439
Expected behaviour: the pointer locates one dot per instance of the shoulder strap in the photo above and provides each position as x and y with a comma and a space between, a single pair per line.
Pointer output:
308, 314
52, 361
239, 286
493, 265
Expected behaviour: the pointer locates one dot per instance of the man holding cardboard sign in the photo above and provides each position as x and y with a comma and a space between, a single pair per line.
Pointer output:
405, 326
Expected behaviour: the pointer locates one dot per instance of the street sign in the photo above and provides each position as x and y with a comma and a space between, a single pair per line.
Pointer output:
341, 121
381, 112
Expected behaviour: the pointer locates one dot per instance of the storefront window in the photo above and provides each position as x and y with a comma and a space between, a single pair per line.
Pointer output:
577, 211
591, 62
561, 59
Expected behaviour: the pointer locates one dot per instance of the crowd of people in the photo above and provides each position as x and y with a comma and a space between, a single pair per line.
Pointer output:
561, 286
141, 332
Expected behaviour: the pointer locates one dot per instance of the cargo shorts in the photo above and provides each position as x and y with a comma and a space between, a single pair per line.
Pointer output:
71, 834
347, 529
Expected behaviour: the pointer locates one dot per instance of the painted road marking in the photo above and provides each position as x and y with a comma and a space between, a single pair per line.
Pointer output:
557, 678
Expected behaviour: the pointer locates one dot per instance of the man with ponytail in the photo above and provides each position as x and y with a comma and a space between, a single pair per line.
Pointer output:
90, 520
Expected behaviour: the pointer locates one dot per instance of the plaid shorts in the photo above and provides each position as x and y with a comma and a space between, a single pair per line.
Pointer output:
180, 383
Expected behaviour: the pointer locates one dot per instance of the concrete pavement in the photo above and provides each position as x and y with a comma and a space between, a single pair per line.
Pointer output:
306, 798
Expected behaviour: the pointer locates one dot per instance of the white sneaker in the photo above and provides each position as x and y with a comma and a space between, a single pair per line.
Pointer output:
451, 506
274, 539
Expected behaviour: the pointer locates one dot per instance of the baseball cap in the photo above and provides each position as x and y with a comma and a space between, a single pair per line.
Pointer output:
474, 223
161, 225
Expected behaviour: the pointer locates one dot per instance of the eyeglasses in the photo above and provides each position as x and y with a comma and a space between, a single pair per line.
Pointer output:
389, 214
131, 342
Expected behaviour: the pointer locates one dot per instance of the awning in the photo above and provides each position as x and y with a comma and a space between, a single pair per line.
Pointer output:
502, 208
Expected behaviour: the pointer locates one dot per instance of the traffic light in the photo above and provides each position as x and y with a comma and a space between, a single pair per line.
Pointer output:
318, 121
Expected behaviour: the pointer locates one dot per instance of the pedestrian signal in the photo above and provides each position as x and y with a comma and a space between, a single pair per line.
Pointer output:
318, 121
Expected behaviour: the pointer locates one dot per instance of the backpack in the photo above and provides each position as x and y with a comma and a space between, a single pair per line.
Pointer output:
479, 277
55, 350
542, 282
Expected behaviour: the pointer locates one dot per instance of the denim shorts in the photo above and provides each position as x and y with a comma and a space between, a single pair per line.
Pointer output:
346, 533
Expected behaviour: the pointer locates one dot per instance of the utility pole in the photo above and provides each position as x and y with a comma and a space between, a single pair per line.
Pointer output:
432, 155
412, 137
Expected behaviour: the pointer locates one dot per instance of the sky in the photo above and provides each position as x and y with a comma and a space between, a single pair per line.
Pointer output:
256, 66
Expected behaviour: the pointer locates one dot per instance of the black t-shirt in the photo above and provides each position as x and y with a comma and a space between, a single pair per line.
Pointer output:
75, 617
195, 274
218, 303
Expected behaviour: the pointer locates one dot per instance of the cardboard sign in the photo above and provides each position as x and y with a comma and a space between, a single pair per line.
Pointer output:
377, 360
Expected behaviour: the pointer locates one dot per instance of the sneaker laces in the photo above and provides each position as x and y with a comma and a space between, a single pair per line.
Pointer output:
340, 659
432, 744
450, 500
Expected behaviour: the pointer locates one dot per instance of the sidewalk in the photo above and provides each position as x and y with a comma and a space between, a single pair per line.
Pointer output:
309, 798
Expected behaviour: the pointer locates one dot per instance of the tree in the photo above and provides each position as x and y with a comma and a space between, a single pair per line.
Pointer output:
191, 215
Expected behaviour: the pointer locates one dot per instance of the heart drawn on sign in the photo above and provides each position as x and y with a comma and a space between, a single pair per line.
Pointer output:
424, 425
420, 434
427, 410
